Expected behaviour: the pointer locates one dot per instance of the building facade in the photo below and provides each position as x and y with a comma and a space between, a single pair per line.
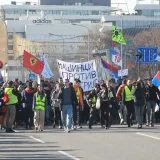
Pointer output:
47, 30
77, 2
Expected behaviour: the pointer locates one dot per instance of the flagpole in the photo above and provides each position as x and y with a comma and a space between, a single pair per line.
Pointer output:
121, 43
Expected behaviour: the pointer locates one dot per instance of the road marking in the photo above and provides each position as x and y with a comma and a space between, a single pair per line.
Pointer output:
68, 155
36, 139
148, 136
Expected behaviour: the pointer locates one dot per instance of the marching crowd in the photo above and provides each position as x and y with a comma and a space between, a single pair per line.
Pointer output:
65, 105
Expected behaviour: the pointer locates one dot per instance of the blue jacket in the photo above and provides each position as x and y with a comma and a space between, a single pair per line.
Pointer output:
27, 96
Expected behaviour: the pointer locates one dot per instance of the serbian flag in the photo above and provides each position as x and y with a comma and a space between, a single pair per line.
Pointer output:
112, 71
156, 79
33, 63
116, 56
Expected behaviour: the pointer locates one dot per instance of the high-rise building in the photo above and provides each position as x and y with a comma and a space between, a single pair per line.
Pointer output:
76, 2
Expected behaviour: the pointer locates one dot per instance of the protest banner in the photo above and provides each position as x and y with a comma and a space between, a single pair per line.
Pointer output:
123, 72
85, 71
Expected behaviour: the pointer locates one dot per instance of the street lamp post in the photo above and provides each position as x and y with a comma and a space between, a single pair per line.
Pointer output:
51, 34
88, 37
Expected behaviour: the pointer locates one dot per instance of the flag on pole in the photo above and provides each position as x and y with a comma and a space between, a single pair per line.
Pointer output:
46, 73
112, 71
117, 36
156, 79
116, 55
33, 63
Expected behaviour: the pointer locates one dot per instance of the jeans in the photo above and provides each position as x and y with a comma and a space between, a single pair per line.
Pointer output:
123, 113
139, 114
67, 116
77, 116
150, 111
28, 116
47, 112
11, 113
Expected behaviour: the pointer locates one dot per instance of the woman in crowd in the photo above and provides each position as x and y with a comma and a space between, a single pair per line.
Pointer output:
39, 104
56, 106
104, 114
140, 100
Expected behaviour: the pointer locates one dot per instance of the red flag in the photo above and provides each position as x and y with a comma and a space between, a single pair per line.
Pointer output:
33, 63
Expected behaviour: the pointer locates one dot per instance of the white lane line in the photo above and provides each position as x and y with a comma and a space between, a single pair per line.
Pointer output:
68, 155
36, 139
148, 136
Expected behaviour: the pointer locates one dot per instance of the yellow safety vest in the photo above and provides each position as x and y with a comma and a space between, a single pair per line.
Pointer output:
94, 101
40, 103
12, 98
129, 93
78, 94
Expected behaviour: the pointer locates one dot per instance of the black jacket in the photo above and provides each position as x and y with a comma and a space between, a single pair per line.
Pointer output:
73, 97
139, 94
151, 93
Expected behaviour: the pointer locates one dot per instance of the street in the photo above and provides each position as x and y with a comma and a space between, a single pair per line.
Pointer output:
117, 143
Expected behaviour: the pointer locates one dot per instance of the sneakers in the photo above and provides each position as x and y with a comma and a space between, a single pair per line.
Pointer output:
60, 127
36, 128
74, 128
147, 124
90, 127
79, 127
9, 130
151, 125
139, 126
122, 121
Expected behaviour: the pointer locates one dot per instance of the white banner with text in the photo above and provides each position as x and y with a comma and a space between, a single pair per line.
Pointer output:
86, 72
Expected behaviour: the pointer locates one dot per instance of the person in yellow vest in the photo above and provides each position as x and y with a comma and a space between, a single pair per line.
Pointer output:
128, 100
11, 109
91, 100
77, 113
39, 104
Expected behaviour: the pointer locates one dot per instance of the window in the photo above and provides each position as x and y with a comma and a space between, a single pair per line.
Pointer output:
10, 37
95, 12
10, 57
10, 47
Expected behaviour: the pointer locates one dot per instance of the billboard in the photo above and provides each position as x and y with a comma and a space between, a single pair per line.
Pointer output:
73, 2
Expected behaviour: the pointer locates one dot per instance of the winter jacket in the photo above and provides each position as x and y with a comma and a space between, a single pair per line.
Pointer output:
27, 97
119, 92
73, 97
139, 94
152, 92
81, 94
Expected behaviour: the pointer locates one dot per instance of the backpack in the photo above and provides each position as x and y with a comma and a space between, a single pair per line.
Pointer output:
6, 98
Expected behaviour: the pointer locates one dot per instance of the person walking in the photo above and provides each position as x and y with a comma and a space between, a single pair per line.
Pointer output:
128, 100
39, 104
68, 101
27, 100
77, 114
55, 103
91, 100
11, 109
105, 109
139, 100
122, 111
152, 92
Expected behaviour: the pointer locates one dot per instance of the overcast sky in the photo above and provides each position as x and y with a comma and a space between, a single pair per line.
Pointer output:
130, 3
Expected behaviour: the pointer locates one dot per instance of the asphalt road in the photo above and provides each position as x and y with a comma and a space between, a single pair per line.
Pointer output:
117, 143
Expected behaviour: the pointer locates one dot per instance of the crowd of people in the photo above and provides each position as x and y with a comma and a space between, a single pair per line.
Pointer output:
66, 106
